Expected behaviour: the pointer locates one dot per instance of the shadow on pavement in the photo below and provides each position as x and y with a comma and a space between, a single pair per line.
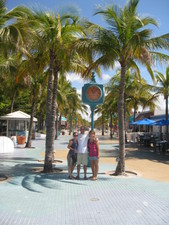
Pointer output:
134, 151
23, 174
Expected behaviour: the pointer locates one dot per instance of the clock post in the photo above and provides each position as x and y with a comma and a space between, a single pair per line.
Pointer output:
92, 117
92, 95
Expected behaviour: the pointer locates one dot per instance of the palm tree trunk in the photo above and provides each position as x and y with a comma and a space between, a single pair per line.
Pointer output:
54, 102
56, 126
70, 129
60, 118
12, 102
28, 144
125, 118
134, 118
120, 169
49, 120
40, 122
56, 129
102, 125
111, 131
166, 117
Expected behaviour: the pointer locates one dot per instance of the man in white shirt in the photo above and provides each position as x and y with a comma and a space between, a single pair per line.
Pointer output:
82, 152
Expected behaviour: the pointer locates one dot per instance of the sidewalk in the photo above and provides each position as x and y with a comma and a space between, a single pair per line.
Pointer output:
36, 198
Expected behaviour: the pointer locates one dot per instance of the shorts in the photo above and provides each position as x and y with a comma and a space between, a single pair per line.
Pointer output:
82, 159
93, 158
70, 160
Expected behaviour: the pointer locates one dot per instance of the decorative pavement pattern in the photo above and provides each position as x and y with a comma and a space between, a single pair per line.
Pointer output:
40, 199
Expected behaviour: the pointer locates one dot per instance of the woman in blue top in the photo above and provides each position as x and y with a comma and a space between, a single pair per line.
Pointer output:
72, 154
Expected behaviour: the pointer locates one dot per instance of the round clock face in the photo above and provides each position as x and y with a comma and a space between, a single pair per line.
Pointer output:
93, 93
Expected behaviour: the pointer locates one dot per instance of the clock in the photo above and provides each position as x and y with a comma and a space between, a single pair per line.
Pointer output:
93, 93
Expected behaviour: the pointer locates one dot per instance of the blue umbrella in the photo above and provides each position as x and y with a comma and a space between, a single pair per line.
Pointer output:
161, 123
63, 118
144, 122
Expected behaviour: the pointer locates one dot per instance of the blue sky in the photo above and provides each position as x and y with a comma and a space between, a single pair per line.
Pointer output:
157, 9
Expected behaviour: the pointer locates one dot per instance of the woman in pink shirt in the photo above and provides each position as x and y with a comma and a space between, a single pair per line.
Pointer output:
94, 154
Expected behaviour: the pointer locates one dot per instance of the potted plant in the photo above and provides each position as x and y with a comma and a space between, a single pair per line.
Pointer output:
21, 140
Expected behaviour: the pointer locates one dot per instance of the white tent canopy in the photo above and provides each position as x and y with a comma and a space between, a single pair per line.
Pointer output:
18, 115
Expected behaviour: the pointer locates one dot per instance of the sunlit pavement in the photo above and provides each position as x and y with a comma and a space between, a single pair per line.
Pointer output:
37, 198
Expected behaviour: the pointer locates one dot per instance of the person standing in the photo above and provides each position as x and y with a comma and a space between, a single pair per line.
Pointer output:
82, 152
72, 154
94, 154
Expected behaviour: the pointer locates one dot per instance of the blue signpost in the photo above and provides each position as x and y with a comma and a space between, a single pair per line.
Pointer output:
93, 95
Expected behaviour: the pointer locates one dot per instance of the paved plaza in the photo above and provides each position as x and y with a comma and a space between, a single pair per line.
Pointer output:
35, 198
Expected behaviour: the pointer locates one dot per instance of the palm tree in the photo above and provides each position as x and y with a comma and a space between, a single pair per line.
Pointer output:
15, 37
12, 37
41, 107
101, 109
111, 102
141, 95
15, 30
128, 41
163, 88
8, 69
58, 34
32, 68
137, 91
68, 101
75, 106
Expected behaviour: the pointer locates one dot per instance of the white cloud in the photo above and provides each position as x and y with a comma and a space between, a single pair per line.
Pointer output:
79, 91
73, 77
106, 77
116, 65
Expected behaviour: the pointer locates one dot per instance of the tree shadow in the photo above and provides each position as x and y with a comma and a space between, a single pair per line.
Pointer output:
23, 174
103, 138
134, 151
109, 153
16, 159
